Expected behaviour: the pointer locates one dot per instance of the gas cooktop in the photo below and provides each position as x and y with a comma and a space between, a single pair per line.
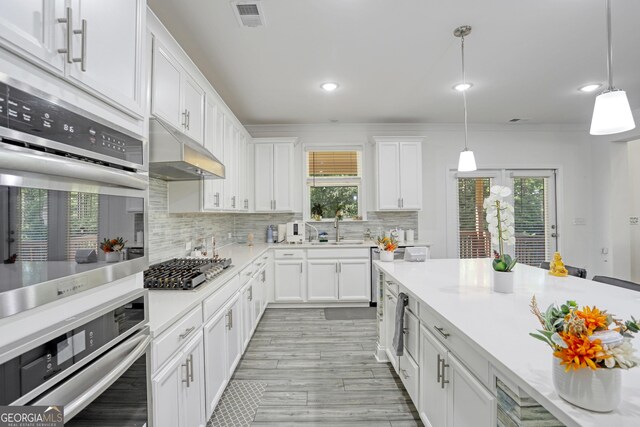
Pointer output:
184, 273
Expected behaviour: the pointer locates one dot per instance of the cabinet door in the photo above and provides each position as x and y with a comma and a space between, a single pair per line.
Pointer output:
289, 281
113, 51
243, 201
234, 335
165, 97
215, 352
411, 175
433, 397
282, 177
390, 303
355, 284
322, 280
388, 171
265, 289
30, 28
212, 187
263, 167
469, 403
194, 393
193, 105
257, 299
231, 170
168, 395
247, 315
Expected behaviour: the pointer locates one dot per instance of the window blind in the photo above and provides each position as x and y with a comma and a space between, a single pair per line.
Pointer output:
334, 164
82, 230
473, 237
531, 212
32, 224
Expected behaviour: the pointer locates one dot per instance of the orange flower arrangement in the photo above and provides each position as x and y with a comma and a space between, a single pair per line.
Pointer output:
387, 244
576, 335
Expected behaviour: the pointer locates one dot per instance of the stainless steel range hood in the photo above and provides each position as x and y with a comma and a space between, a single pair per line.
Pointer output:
173, 156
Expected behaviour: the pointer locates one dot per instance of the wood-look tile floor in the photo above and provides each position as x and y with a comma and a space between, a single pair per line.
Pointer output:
322, 373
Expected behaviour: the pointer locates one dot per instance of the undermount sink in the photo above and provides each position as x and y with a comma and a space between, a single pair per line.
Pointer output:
341, 242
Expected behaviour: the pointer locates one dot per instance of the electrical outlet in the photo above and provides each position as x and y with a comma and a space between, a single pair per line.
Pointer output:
634, 220
187, 246
230, 235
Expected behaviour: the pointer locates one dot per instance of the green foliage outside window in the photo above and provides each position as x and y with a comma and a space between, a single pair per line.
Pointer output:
330, 198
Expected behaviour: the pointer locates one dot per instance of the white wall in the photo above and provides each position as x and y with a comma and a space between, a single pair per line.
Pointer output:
506, 146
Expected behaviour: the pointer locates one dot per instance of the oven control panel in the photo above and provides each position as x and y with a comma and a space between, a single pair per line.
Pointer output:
39, 117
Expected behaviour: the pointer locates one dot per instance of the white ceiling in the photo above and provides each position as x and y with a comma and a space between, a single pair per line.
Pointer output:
396, 60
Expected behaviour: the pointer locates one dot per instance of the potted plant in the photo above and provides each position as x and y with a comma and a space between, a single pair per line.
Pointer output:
387, 246
317, 211
590, 348
500, 223
112, 249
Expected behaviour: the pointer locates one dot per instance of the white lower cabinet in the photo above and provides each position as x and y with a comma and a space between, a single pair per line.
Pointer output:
215, 350
450, 396
322, 280
354, 281
178, 389
234, 334
289, 280
390, 302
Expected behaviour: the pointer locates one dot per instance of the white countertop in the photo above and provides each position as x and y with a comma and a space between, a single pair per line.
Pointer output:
168, 306
499, 324
364, 244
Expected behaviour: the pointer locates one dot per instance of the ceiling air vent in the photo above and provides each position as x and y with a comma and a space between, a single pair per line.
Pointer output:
249, 13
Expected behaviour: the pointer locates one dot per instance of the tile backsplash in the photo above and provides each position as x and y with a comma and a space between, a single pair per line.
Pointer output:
169, 233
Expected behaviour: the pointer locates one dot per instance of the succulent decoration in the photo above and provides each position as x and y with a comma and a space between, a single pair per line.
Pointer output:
500, 222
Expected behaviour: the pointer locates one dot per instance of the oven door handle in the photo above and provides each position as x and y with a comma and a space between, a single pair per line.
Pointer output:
20, 159
83, 388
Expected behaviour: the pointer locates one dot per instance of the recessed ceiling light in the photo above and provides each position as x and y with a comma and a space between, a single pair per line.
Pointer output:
590, 87
461, 87
329, 86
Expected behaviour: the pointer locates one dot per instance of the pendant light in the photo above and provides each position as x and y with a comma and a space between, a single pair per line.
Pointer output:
611, 113
467, 161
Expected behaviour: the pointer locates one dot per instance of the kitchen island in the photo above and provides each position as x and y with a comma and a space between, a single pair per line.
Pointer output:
489, 333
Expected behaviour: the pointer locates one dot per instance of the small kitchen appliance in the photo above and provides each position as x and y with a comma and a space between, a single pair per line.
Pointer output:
295, 232
416, 254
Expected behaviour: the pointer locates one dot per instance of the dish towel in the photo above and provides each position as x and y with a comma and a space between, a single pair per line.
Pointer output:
398, 337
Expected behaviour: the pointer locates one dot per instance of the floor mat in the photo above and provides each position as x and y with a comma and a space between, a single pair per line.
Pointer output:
238, 404
350, 313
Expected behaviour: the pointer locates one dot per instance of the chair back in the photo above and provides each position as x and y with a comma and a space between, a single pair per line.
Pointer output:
573, 271
618, 282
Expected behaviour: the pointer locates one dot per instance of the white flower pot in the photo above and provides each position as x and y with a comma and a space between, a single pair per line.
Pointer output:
112, 256
599, 390
503, 281
386, 256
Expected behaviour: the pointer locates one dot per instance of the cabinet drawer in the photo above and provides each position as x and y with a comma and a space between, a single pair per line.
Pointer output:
246, 273
410, 375
413, 305
170, 341
411, 334
391, 287
289, 253
455, 343
215, 302
336, 253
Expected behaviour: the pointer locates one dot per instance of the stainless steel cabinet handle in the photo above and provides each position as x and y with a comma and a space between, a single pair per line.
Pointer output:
405, 331
246, 203
83, 46
438, 369
441, 332
275, 205
336, 267
68, 19
399, 202
404, 373
217, 200
300, 268
184, 119
288, 254
187, 332
444, 366
230, 319
402, 202
264, 276
251, 293
233, 202
339, 267
188, 120
186, 368
190, 368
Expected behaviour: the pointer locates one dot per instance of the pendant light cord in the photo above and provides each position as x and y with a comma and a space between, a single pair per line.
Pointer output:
609, 48
464, 95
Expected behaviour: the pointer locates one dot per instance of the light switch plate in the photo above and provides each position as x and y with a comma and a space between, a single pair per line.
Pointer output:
579, 221
634, 220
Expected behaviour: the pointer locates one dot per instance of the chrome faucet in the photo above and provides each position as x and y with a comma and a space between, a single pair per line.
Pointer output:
336, 225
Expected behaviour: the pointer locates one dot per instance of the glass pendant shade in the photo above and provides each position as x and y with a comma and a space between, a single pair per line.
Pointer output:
467, 161
611, 114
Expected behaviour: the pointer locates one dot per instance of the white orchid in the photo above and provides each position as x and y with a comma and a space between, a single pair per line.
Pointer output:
500, 222
623, 355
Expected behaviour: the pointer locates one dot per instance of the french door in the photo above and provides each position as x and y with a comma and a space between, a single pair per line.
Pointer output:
534, 201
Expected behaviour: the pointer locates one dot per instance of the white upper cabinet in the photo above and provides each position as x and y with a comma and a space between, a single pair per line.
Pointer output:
107, 52
274, 174
193, 108
230, 200
95, 45
399, 173
214, 142
31, 29
165, 97
176, 97
243, 200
